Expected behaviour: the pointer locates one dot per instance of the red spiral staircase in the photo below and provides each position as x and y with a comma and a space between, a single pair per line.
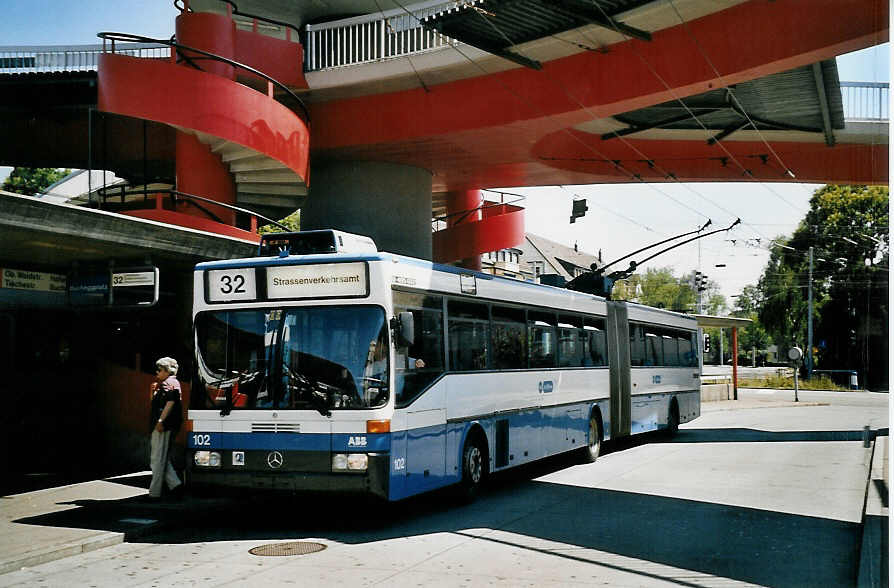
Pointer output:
236, 143
239, 146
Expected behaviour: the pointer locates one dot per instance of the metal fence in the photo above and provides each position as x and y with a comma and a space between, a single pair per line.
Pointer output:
69, 58
865, 101
373, 37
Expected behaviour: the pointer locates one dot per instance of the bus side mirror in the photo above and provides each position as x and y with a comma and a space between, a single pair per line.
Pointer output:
406, 333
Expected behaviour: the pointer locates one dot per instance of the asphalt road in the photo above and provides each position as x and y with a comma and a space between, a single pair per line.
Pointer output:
760, 492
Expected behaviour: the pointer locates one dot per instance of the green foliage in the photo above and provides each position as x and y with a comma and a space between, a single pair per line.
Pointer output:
847, 227
661, 289
787, 382
748, 306
33, 180
293, 222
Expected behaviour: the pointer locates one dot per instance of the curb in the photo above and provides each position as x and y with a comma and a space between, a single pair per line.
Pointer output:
874, 544
62, 551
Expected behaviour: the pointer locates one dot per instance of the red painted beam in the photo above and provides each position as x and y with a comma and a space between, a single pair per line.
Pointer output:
744, 42
695, 160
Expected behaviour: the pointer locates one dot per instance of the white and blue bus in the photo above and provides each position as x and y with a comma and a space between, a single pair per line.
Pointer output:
325, 365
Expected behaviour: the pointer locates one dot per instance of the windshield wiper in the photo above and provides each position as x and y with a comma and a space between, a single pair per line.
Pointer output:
313, 389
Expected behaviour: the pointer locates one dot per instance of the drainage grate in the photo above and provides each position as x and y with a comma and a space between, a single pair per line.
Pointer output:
291, 548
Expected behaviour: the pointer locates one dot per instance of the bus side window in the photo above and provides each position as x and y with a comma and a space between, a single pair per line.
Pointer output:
637, 346
415, 367
654, 355
570, 341
688, 358
669, 346
468, 324
594, 333
508, 337
541, 339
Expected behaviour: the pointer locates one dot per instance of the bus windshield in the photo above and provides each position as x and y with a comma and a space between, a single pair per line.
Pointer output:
321, 358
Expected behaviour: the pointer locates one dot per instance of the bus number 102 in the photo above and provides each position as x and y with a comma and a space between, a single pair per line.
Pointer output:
201, 440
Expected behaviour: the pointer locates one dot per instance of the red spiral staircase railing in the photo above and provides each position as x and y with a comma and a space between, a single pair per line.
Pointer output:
475, 227
236, 144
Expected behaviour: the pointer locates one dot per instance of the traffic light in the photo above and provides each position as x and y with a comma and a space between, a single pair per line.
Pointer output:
699, 281
578, 209
707, 342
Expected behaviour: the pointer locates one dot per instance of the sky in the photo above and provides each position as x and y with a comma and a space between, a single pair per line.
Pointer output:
621, 218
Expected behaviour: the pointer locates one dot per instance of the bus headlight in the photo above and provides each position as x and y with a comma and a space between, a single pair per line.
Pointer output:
357, 462
339, 461
207, 459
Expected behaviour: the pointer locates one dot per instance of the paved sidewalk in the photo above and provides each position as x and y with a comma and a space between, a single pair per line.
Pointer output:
748, 403
45, 525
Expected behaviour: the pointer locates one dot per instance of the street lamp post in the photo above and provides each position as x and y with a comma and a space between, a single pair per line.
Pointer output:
810, 315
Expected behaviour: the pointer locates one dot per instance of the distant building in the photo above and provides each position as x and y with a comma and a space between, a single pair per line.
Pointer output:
538, 257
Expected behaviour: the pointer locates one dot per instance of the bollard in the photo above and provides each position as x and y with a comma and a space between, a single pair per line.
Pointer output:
866, 436
853, 382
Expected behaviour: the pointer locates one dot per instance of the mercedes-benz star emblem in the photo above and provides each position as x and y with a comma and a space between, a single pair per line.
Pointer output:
274, 460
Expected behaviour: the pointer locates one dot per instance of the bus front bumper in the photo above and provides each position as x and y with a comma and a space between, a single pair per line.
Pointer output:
372, 481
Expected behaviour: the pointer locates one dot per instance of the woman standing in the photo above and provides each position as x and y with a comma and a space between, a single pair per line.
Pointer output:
167, 416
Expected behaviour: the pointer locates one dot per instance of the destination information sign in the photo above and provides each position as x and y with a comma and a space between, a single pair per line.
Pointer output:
326, 280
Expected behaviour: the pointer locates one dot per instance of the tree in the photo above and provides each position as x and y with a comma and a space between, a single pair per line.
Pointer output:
661, 289
748, 304
847, 227
33, 180
293, 222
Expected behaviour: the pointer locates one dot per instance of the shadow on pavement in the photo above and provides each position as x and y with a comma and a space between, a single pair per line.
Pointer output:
756, 436
758, 546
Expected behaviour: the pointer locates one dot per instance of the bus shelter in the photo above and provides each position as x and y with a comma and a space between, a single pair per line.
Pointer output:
724, 322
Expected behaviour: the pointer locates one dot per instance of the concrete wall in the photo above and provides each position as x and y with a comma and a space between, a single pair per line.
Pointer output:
388, 202
715, 392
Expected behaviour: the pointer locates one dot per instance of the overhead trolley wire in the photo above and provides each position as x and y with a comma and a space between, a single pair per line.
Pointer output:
719, 142
732, 94
616, 163
645, 158
605, 159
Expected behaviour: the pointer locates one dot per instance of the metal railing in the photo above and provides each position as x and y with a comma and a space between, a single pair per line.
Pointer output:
154, 197
865, 101
374, 37
70, 58
115, 38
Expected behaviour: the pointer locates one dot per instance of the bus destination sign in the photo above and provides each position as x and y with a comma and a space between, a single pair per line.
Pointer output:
317, 281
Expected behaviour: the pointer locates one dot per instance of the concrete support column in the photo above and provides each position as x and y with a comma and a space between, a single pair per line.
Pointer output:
201, 172
464, 207
388, 202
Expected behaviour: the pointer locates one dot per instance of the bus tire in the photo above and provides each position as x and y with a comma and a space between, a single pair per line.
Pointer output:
474, 466
673, 418
594, 438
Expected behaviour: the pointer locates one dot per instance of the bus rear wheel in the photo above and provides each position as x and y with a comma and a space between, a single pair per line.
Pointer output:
594, 439
673, 418
474, 469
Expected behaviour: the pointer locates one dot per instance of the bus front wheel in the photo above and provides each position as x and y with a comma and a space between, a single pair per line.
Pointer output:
474, 468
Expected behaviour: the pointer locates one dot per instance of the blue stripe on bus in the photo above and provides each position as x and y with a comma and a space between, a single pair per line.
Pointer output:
341, 442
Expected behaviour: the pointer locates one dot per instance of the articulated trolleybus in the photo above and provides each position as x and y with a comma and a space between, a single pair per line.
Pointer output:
325, 365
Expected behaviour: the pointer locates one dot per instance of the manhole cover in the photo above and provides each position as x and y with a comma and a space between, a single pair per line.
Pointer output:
291, 548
